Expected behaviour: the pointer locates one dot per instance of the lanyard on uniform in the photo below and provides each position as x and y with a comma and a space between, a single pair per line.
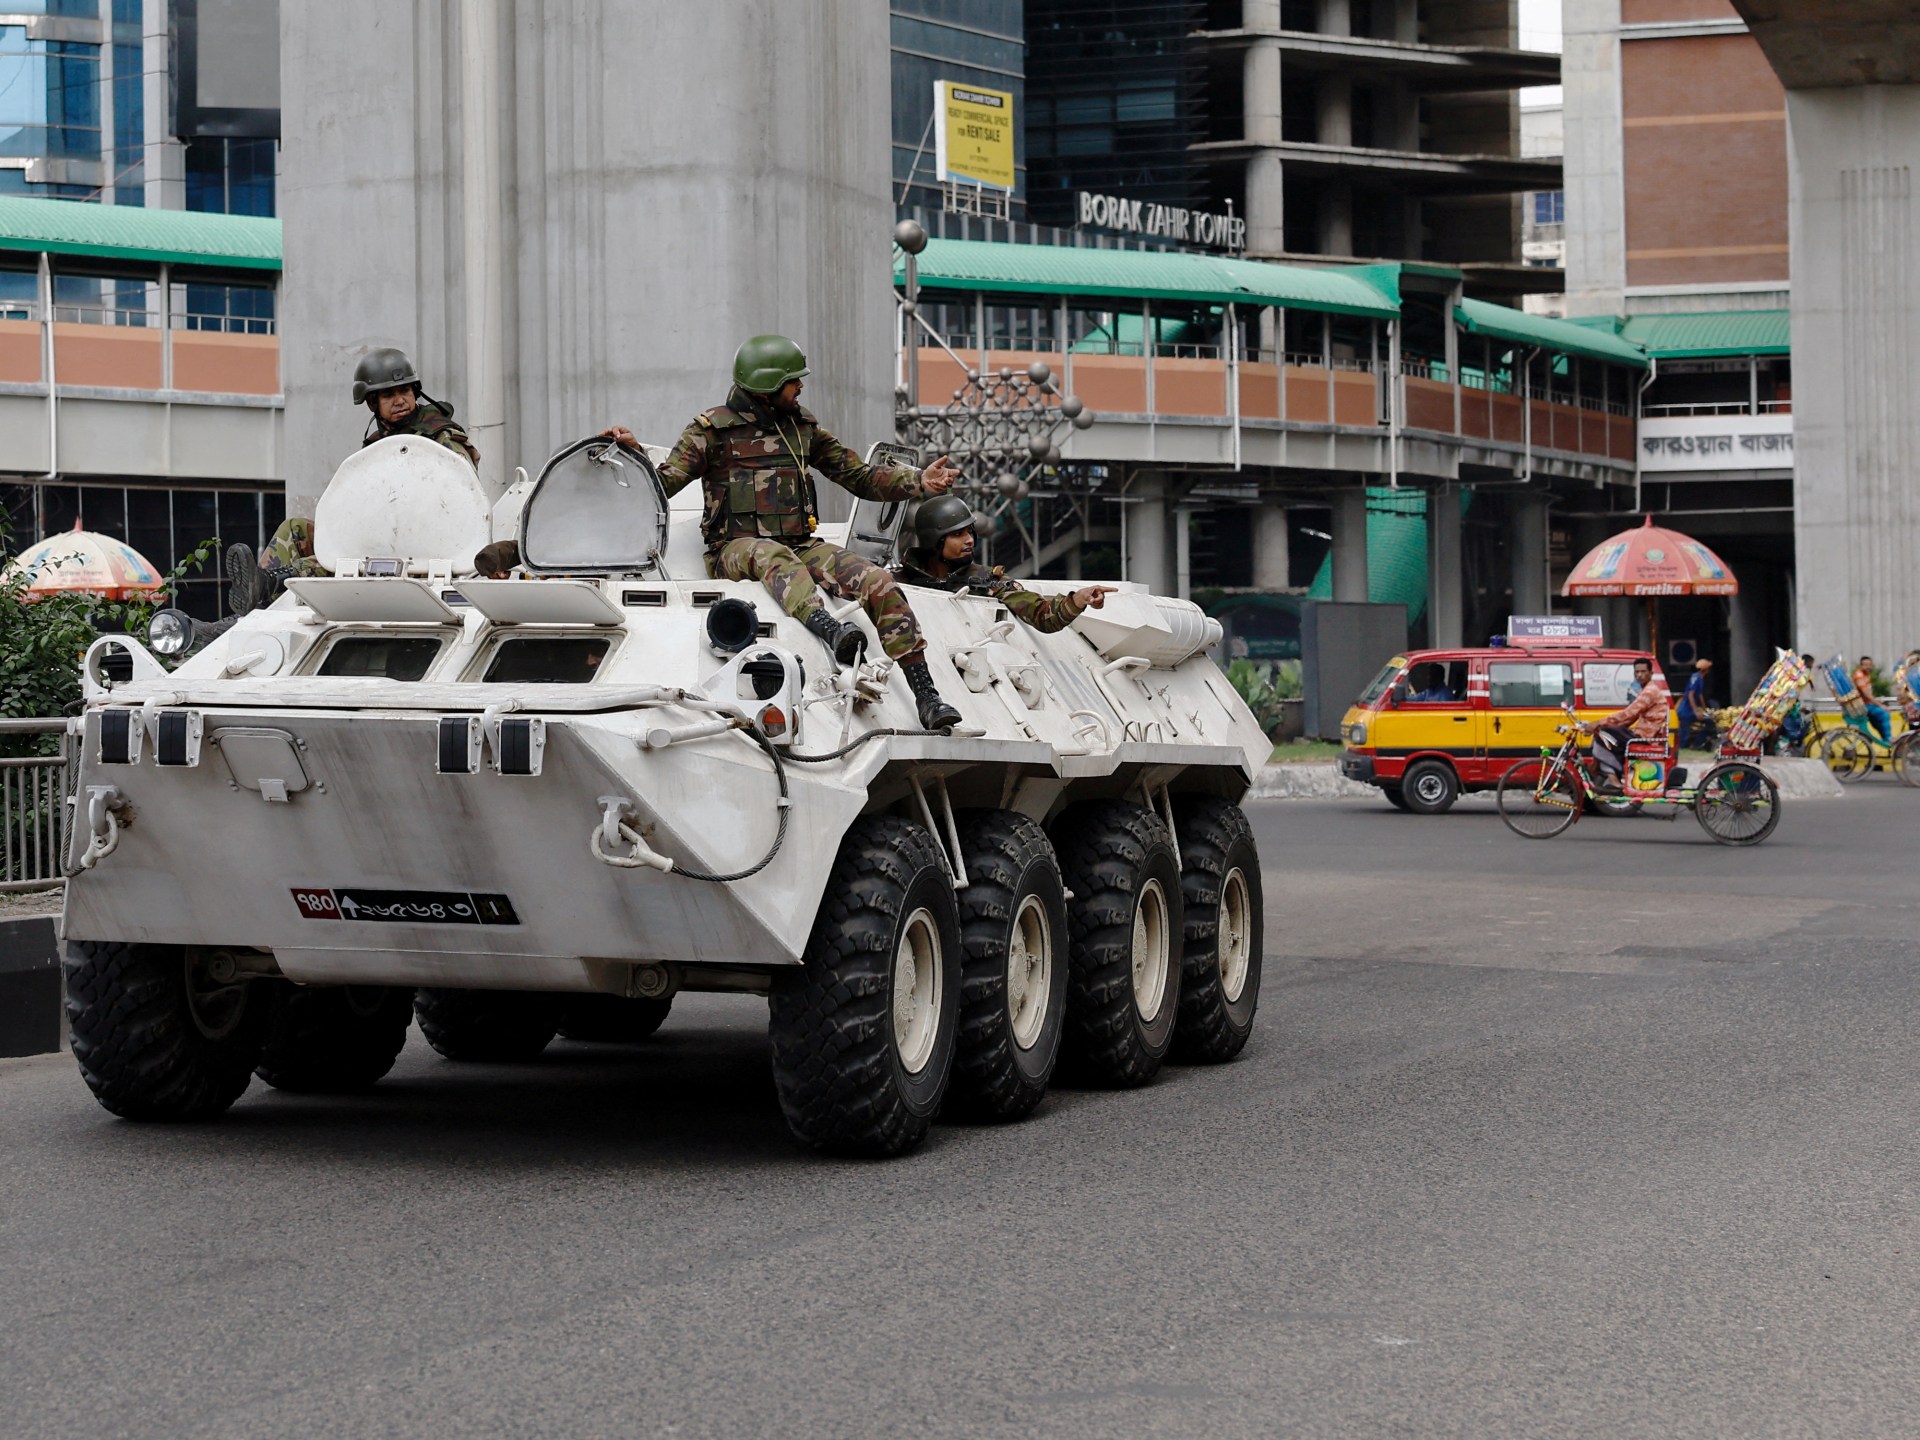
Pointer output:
793, 453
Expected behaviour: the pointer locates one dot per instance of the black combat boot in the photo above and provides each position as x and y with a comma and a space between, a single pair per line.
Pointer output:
935, 713
847, 642
243, 580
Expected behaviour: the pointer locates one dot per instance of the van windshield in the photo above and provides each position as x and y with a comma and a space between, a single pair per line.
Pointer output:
1377, 686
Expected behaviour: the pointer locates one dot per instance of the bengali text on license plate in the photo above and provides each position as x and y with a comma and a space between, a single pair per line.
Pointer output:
406, 907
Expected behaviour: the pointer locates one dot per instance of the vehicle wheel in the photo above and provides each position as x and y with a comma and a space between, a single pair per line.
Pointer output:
1013, 968
156, 1035
1847, 754
1221, 936
1396, 797
1124, 926
494, 1025
612, 1019
1738, 803
334, 1039
864, 1029
1430, 787
1538, 798
1902, 761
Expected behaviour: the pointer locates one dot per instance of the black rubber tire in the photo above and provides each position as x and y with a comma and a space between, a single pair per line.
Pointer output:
612, 1019
837, 1066
1110, 852
140, 1048
1215, 842
1430, 787
1732, 791
1396, 797
487, 1025
1901, 761
1009, 861
334, 1039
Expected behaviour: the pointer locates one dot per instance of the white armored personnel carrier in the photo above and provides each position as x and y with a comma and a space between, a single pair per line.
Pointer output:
521, 807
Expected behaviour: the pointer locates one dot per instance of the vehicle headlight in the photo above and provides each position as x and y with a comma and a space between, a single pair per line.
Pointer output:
1357, 734
170, 632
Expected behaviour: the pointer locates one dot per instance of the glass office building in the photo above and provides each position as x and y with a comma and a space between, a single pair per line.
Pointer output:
974, 42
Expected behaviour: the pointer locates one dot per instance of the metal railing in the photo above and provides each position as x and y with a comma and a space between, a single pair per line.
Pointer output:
34, 815
1719, 407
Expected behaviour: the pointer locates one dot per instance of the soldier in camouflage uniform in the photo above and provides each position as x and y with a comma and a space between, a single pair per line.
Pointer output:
754, 456
942, 559
385, 382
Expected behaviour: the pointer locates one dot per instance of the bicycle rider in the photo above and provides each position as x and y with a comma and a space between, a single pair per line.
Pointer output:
1644, 718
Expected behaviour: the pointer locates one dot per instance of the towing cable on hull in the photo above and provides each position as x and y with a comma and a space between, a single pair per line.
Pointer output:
613, 829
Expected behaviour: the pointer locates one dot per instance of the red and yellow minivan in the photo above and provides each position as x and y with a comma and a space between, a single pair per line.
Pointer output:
1436, 723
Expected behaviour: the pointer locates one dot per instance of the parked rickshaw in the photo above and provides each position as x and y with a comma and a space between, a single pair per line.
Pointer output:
1735, 801
1846, 742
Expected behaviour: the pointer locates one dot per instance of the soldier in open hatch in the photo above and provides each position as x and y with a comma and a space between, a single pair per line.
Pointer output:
942, 557
754, 456
388, 385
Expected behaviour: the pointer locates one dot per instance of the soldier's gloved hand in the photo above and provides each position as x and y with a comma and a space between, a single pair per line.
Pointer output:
1092, 597
938, 477
622, 434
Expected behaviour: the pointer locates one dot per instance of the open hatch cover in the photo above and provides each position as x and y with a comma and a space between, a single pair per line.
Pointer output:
391, 598
597, 506
541, 602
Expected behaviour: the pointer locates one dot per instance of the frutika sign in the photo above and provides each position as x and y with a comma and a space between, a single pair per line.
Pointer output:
1169, 222
973, 135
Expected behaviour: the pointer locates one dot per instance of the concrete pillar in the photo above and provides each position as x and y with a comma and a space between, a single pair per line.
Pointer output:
1260, 105
1528, 545
1446, 617
1350, 544
1335, 17
1334, 110
1271, 533
791, 190
1750, 640
166, 157
1149, 539
1334, 223
1406, 21
1596, 194
1856, 337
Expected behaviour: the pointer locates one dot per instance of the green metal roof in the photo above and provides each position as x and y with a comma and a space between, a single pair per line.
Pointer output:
1142, 274
1710, 335
133, 232
1501, 323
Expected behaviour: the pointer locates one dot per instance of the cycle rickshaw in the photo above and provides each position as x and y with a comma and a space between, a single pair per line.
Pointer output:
1735, 801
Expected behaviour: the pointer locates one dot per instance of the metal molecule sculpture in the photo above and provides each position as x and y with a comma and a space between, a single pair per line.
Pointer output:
1000, 427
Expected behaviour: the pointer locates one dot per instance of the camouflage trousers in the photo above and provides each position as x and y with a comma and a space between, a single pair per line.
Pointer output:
790, 575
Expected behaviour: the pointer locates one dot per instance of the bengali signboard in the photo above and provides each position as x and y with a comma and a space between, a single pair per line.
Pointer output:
973, 135
1716, 442
1566, 629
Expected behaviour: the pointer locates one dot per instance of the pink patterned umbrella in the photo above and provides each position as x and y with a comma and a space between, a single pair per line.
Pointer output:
1649, 563
83, 563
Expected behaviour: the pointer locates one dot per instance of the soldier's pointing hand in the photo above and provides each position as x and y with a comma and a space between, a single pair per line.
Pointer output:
1093, 597
938, 477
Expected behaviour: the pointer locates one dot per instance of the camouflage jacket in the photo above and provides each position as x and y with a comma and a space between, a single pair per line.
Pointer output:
755, 464
431, 418
291, 549
1045, 613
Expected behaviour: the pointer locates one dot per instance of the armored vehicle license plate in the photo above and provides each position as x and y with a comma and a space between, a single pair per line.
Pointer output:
406, 907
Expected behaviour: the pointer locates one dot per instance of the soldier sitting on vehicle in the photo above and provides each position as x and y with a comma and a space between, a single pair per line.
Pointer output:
385, 382
754, 456
941, 558
1644, 718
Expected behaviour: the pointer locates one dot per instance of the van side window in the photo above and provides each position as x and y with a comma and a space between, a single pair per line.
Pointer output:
1437, 682
1605, 683
1528, 684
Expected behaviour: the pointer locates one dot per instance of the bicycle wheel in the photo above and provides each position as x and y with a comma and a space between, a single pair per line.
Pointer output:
1902, 761
1538, 798
1738, 803
1848, 754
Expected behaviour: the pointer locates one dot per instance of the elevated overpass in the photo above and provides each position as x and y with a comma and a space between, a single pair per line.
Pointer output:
1264, 387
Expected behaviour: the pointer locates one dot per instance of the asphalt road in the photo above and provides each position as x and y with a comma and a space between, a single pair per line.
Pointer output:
1610, 1135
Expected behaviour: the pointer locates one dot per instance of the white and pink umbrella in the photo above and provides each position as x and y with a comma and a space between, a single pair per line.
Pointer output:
80, 562
1650, 562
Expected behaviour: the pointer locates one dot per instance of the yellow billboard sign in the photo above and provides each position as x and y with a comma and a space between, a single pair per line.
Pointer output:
973, 135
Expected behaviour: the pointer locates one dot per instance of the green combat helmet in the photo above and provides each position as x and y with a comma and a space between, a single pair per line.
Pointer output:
384, 369
765, 363
938, 518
